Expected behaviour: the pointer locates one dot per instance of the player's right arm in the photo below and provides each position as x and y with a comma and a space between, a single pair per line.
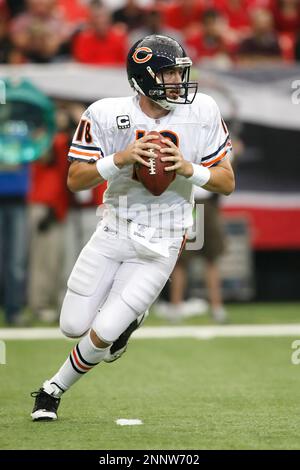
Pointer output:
83, 176
87, 174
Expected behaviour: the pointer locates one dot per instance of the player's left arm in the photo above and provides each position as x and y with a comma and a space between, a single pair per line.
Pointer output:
220, 178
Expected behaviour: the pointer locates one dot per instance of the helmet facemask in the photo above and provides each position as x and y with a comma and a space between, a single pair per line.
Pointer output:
161, 92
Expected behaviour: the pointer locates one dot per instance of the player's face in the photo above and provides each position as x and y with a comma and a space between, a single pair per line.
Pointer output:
170, 76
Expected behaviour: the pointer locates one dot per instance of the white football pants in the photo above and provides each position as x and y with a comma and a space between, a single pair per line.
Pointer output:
113, 281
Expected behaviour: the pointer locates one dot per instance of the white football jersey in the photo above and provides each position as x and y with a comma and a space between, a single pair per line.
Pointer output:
111, 124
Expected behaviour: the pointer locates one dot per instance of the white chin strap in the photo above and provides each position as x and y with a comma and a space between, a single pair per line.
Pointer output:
162, 103
165, 104
137, 87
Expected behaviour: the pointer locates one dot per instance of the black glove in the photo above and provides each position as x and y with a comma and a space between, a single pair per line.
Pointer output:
47, 220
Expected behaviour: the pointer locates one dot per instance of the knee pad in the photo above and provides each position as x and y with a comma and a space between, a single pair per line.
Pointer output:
73, 335
75, 318
104, 328
113, 319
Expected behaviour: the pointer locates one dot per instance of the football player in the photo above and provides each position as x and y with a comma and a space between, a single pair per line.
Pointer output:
130, 256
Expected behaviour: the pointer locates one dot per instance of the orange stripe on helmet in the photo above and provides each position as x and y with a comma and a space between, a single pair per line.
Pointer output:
144, 59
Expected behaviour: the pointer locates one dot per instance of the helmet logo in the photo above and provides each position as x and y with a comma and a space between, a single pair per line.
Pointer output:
143, 59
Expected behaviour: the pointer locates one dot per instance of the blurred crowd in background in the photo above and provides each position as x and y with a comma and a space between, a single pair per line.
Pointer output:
43, 226
99, 32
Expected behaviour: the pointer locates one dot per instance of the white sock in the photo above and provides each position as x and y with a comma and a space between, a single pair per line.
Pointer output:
83, 358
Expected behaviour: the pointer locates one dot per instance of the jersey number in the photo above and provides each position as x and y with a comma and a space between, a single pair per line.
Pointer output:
167, 134
84, 129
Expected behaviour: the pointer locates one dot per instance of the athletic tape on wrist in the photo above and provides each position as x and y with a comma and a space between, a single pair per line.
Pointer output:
200, 176
106, 167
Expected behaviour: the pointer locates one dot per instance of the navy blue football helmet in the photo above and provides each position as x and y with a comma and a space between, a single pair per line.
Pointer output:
146, 61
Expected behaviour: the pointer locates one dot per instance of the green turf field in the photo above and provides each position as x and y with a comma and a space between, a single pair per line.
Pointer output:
216, 394
244, 313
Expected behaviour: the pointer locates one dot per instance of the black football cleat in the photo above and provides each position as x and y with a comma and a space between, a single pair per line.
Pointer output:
119, 346
45, 406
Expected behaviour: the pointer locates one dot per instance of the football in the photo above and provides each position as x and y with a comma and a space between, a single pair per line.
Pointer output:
155, 178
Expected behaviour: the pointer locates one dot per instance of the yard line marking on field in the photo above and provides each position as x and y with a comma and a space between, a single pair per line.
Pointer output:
129, 422
224, 331
150, 332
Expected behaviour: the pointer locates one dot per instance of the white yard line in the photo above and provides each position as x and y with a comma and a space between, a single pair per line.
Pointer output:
199, 332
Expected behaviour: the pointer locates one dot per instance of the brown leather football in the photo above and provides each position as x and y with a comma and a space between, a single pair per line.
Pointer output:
155, 178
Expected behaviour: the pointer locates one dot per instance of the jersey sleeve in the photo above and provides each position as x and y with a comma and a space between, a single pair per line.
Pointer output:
218, 144
88, 140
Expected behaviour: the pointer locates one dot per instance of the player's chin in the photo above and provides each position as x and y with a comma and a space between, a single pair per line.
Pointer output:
173, 95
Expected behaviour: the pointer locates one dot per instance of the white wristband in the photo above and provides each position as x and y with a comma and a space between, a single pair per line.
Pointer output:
200, 176
106, 167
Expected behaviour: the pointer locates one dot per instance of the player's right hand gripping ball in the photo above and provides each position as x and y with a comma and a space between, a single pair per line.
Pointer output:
155, 178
